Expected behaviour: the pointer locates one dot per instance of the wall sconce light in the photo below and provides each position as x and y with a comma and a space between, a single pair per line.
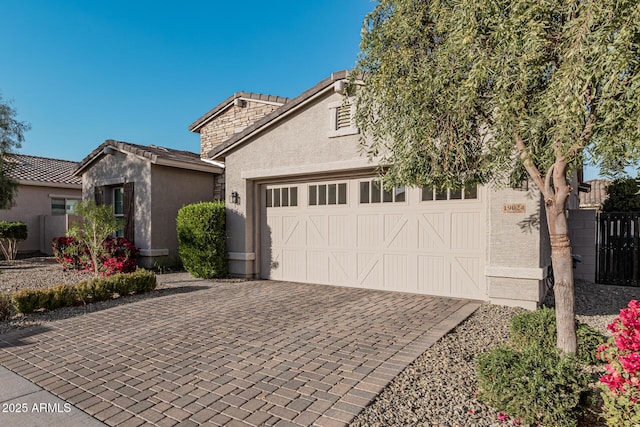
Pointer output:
235, 198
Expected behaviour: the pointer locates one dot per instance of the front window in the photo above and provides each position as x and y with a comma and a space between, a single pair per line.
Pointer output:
118, 207
60, 206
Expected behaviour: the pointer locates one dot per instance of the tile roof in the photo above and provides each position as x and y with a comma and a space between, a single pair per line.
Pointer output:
259, 97
154, 153
598, 194
43, 169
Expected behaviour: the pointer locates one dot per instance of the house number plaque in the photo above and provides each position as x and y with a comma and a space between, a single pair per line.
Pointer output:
514, 208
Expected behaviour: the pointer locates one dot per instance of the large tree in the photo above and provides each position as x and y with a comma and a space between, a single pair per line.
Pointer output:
11, 137
462, 91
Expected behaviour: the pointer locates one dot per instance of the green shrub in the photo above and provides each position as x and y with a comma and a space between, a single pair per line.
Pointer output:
10, 234
26, 300
6, 307
538, 328
533, 385
202, 239
92, 290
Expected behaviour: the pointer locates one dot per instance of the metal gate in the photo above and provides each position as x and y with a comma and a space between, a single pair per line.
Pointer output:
618, 255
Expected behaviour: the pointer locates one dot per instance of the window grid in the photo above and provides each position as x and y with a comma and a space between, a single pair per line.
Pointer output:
465, 193
328, 194
281, 197
373, 191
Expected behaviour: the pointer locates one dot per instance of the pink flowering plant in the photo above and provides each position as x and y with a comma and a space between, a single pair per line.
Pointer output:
119, 255
621, 383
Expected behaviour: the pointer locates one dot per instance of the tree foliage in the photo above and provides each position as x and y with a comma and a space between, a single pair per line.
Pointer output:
11, 137
96, 225
623, 195
490, 91
453, 87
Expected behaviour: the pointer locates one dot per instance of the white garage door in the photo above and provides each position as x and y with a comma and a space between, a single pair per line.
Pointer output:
351, 232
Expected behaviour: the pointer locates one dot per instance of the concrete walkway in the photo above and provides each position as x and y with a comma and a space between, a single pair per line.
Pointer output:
236, 354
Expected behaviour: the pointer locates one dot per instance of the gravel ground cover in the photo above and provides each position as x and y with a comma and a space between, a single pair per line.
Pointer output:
437, 389
44, 272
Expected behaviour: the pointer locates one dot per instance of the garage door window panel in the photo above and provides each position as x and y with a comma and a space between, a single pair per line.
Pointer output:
373, 191
433, 193
328, 194
281, 197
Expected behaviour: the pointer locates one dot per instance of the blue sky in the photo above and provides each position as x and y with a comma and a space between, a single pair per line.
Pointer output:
82, 71
142, 71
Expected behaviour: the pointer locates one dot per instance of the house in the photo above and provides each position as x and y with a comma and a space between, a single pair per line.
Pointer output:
583, 231
304, 205
147, 185
45, 201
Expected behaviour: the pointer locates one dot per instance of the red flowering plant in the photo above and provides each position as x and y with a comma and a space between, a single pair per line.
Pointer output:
71, 254
119, 255
621, 383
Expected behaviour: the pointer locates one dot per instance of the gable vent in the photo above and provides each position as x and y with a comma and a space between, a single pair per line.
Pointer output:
343, 117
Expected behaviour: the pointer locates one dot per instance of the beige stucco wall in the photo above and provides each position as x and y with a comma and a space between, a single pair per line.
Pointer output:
116, 169
32, 202
159, 192
173, 188
299, 147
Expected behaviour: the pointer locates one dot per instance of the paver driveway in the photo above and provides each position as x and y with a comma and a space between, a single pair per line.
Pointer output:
252, 353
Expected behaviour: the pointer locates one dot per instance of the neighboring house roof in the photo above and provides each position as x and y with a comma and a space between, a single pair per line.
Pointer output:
278, 114
598, 194
33, 170
249, 96
154, 154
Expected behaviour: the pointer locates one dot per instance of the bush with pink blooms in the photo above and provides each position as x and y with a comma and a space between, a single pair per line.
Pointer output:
119, 255
621, 383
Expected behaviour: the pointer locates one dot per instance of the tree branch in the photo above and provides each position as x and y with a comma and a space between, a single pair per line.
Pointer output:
525, 156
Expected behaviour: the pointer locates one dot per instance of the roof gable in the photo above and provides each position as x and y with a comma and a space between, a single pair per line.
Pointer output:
153, 154
238, 96
33, 169
283, 111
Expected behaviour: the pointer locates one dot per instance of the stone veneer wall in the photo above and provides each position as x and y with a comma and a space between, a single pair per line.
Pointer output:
231, 121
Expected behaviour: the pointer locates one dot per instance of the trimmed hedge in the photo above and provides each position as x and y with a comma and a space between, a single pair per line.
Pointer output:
202, 239
538, 328
10, 234
5, 306
92, 290
529, 379
536, 385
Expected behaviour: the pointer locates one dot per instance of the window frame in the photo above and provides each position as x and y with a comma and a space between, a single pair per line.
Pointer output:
445, 196
382, 195
270, 196
65, 201
341, 188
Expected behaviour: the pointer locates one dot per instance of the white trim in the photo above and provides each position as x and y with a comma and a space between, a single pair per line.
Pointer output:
340, 166
154, 252
535, 273
189, 166
213, 162
241, 256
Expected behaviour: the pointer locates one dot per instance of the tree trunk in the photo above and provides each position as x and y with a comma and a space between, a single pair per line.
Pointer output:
563, 273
